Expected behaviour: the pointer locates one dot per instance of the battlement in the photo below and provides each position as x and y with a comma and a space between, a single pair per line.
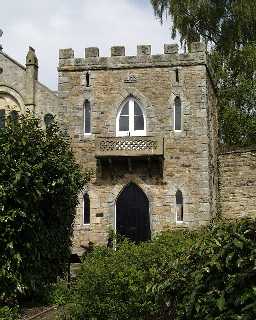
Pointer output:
144, 58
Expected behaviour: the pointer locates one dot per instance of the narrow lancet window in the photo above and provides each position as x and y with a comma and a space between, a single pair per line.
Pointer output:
86, 206
87, 117
177, 75
179, 206
2, 118
87, 78
177, 114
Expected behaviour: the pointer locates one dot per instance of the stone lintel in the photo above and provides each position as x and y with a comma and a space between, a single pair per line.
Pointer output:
117, 51
144, 50
91, 52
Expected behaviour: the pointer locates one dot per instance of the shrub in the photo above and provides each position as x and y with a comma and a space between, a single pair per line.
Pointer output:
7, 313
221, 274
39, 185
205, 274
117, 284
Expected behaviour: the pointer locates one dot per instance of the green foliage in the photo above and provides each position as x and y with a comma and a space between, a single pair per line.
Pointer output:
60, 293
229, 29
227, 24
117, 284
221, 279
204, 274
39, 185
7, 313
219, 275
237, 95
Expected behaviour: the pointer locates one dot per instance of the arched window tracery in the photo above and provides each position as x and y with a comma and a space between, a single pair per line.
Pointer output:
131, 120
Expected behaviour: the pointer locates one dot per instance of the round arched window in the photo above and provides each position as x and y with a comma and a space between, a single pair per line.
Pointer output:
131, 119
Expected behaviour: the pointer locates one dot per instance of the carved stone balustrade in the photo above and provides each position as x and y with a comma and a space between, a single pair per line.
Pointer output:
129, 146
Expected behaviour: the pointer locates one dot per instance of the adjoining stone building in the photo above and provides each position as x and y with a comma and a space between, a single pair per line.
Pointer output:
147, 127
20, 89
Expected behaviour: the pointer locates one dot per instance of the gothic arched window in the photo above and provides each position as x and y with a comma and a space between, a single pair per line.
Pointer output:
87, 117
131, 119
179, 206
86, 209
177, 114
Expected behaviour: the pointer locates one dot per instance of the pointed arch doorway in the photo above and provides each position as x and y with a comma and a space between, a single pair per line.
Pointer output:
132, 214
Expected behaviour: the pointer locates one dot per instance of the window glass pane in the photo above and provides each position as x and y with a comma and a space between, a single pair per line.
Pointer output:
138, 122
179, 197
87, 117
179, 205
179, 208
125, 110
124, 123
177, 114
137, 109
2, 118
86, 209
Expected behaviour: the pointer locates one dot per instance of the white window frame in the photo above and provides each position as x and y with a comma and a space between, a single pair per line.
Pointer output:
131, 132
181, 116
84, 106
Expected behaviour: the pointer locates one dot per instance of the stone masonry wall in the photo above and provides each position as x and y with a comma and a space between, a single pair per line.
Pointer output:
152, 81
13, 83
238, 183
212, 119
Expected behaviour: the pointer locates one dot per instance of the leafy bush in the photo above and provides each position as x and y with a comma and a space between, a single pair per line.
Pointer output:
7, 313
204, 274
221, 274
39, 185
117, 284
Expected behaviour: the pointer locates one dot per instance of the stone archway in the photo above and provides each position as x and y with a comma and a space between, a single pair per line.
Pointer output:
9, 103
10, 99
132, 214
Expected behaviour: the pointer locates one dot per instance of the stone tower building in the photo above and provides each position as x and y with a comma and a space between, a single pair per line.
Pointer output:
147, 126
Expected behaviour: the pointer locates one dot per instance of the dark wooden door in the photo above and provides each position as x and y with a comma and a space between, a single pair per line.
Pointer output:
132, 214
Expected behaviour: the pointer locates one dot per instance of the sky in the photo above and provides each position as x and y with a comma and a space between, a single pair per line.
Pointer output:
48, 25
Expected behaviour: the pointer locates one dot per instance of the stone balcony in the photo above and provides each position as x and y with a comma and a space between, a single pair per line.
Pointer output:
147, 146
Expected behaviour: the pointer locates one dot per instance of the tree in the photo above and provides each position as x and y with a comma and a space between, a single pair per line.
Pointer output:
39, 186
229, 29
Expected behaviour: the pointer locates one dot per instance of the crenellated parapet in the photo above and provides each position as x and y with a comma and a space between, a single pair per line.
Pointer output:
143, 59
